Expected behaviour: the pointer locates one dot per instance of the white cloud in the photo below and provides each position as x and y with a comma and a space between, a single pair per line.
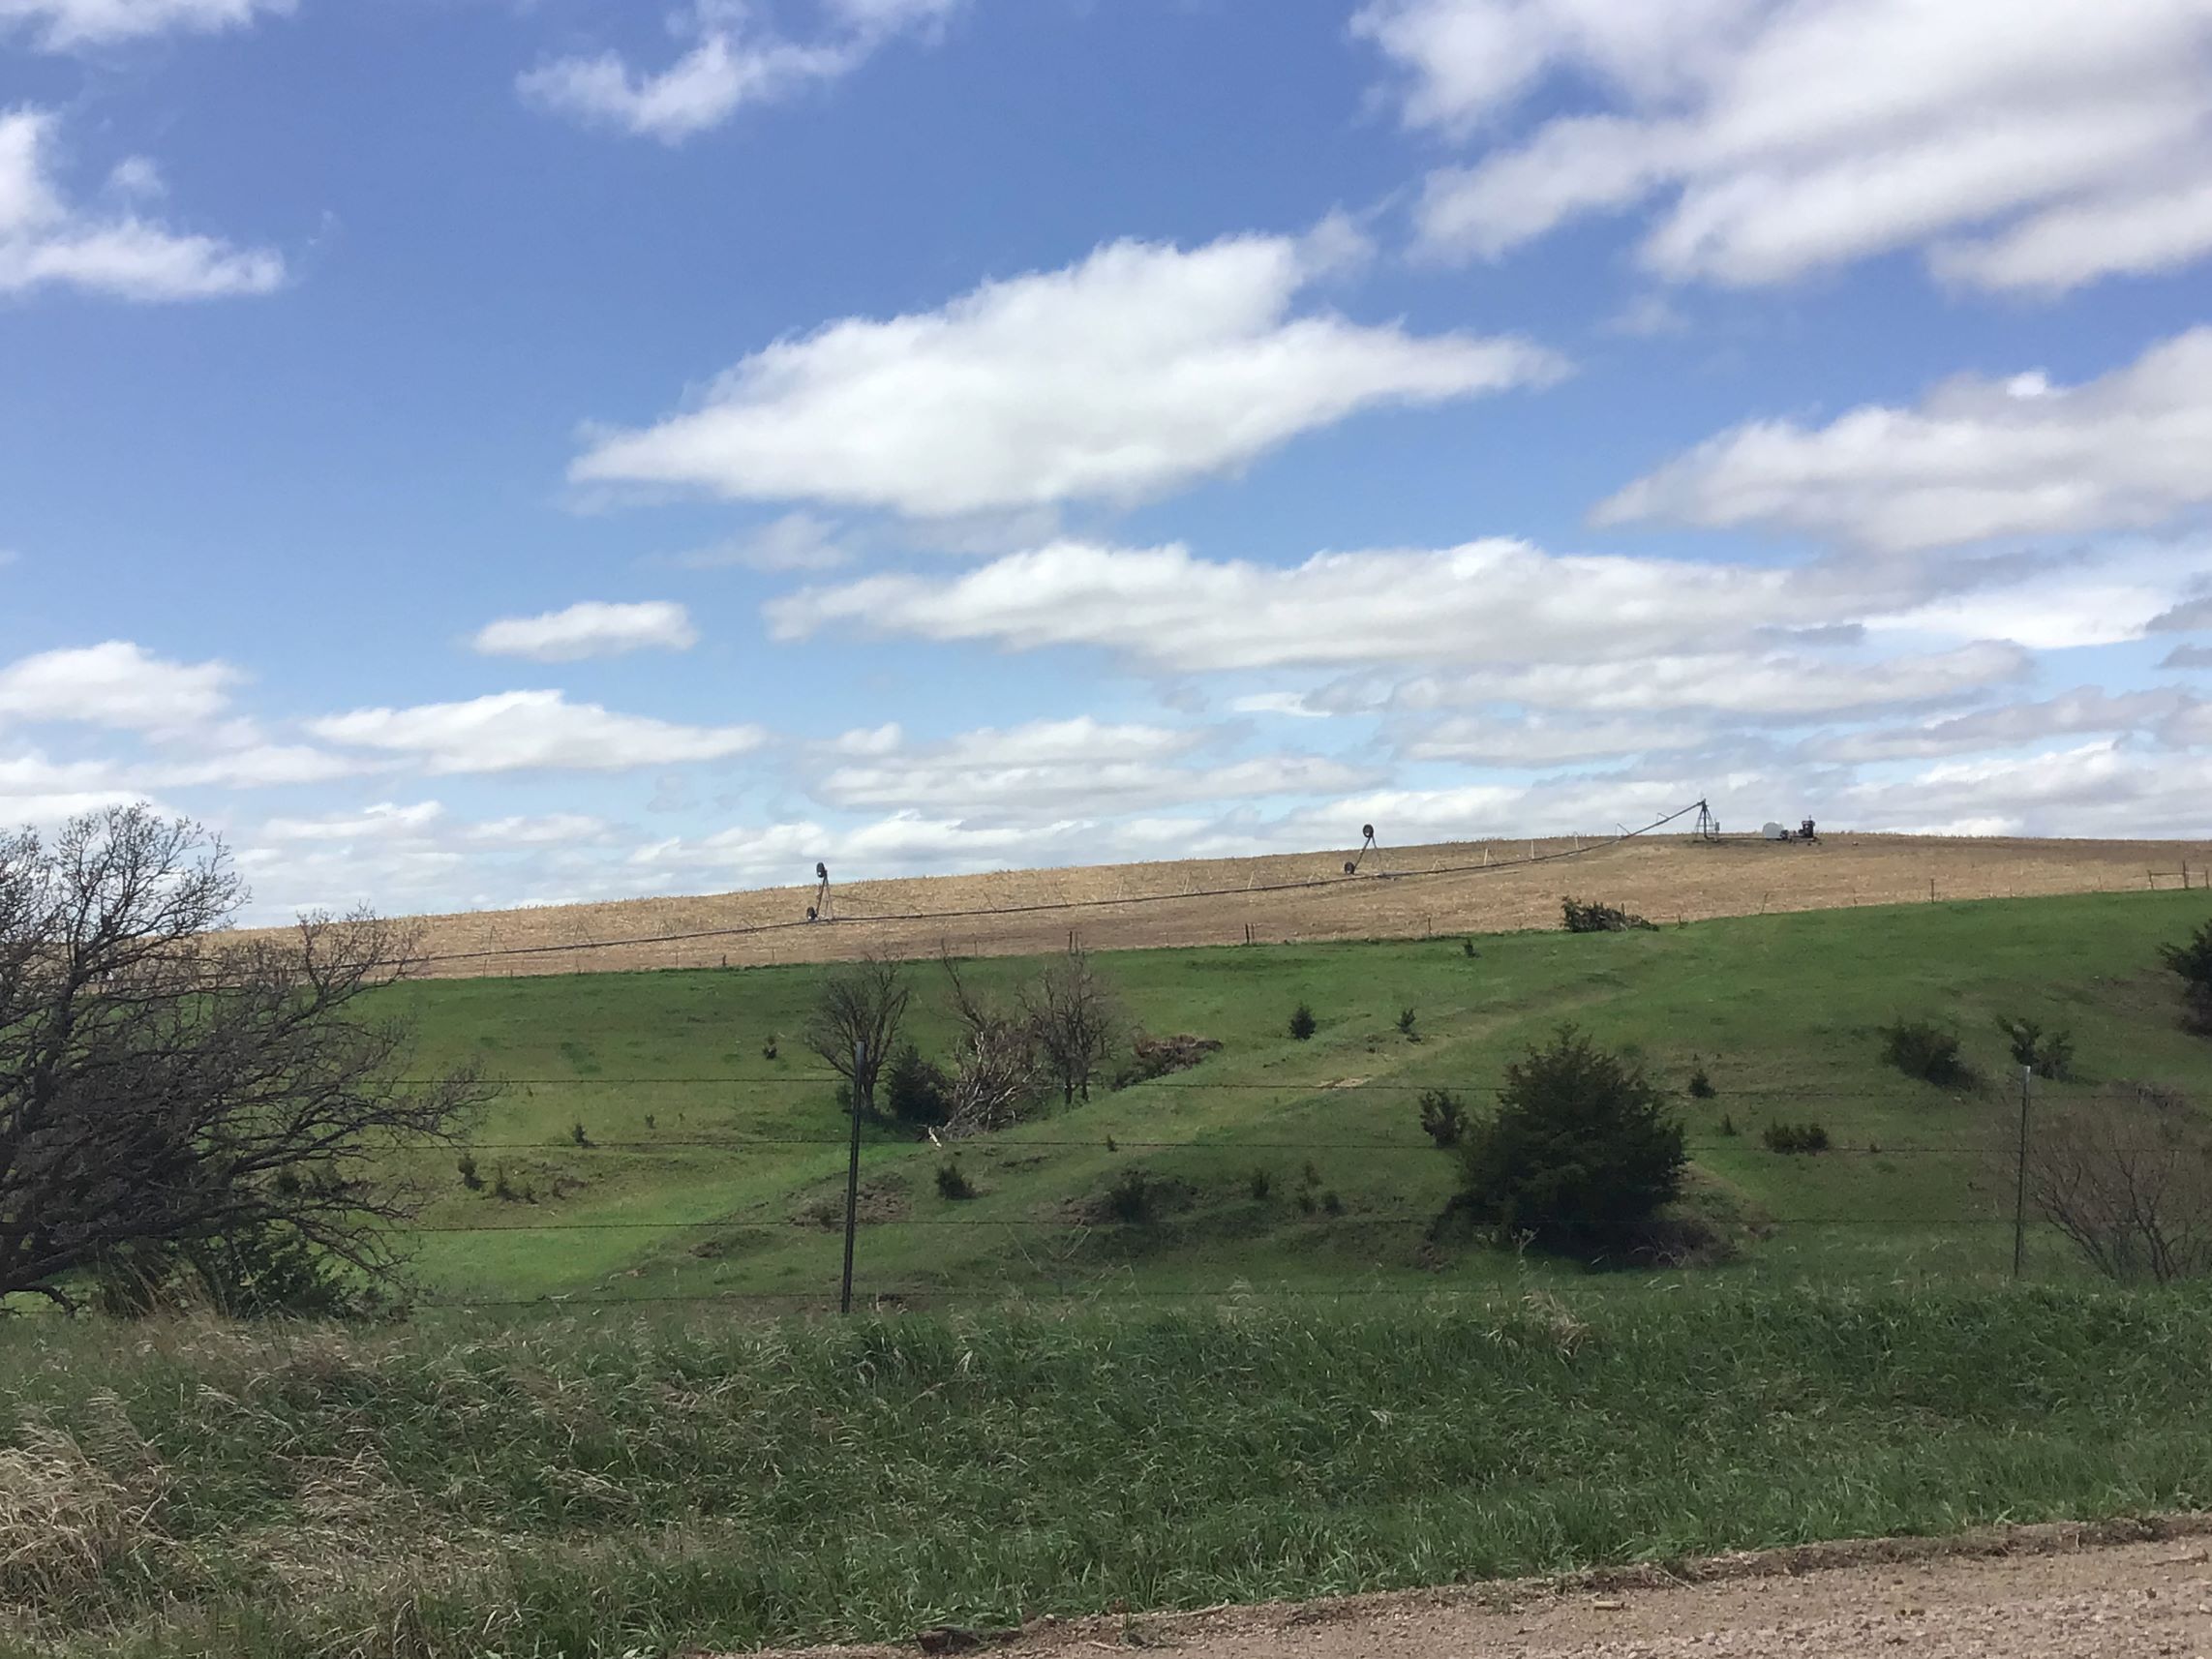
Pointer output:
1489, 599
2034, 145
796, 541
1977, 459
1291, 704
1054, 770
2086, 708
2098, 789
590, 630
1520, 738
1775, 687
384, 821
550, 830
63, 25
729, 66
518, 730
46, 241
1140, 370
116, 685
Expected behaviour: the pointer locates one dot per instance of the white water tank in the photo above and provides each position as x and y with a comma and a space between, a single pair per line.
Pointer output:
1774, 832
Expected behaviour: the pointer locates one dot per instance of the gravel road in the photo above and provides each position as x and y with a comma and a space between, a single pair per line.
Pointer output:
2047, 1600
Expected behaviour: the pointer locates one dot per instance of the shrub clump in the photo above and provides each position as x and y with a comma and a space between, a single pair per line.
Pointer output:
1701, 1085
1580, 1158
1131, 1197
1259, 1184
1444, 1119
917, 1094
1923, 1049
2192, 963
1583, 918
1791, 1138
1151, 1057
1302, 1022
2046, 1053
952, 1182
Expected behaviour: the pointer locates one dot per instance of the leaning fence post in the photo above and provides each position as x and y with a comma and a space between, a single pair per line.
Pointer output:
853, 1177
2020, 1189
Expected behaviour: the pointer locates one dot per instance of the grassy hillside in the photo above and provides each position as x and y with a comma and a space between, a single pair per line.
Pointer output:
648, 1486
714, 1168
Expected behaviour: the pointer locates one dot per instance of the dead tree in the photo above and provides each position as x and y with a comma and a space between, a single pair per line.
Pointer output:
2128, 1179
995, 1074
856, 1019
1077, 1021
170, 1100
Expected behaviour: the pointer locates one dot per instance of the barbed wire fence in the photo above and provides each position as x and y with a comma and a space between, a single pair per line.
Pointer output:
1090, 1254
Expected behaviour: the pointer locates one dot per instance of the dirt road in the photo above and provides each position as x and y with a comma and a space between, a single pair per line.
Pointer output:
2051, 1594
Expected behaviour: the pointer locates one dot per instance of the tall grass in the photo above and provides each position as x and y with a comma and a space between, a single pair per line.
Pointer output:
603, 1487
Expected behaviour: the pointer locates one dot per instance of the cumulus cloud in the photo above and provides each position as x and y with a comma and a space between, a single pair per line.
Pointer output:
1171, 609
47, 241
1520, 738
1780, 685
796, 541
1138, 370
2107, 788
2022, 147
730, 63
66, 25
590, 630
1977, 458
518, 731
2084, 709
1052, 770
115, 685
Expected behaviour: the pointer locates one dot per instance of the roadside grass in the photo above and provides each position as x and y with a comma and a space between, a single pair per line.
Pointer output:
1783, 1010
623, 1483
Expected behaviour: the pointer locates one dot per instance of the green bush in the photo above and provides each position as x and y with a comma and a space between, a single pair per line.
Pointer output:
2046, 1053
1580, 1156
1259, 1184
916, 1093
1302, 1022
2192, 962
470, 1178
1405, 1018
1923, 1049
1130, 1196
1444, 1119
1701, 1086
576, 1133
952, 1182
1807, 1137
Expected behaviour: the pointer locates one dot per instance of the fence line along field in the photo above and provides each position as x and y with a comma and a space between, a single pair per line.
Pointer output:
1472, 886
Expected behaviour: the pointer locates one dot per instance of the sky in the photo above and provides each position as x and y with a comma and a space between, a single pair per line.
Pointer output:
486, 452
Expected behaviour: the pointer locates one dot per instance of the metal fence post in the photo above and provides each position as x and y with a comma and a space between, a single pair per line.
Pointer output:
2021, 1190
853, 1176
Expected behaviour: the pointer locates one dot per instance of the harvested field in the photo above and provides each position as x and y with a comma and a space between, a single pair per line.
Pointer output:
1471, 887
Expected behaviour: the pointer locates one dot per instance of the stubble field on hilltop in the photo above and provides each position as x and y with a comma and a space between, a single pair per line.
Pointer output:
1473, 887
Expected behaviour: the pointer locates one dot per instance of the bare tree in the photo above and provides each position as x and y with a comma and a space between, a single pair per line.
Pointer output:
168, 1098
2128, 1178
995, 1073
1077, 1021
856, 1019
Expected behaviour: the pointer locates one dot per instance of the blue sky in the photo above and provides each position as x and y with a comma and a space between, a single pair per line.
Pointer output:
475, 453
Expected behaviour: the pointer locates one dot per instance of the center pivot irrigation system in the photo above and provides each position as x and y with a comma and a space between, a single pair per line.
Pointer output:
818, 913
